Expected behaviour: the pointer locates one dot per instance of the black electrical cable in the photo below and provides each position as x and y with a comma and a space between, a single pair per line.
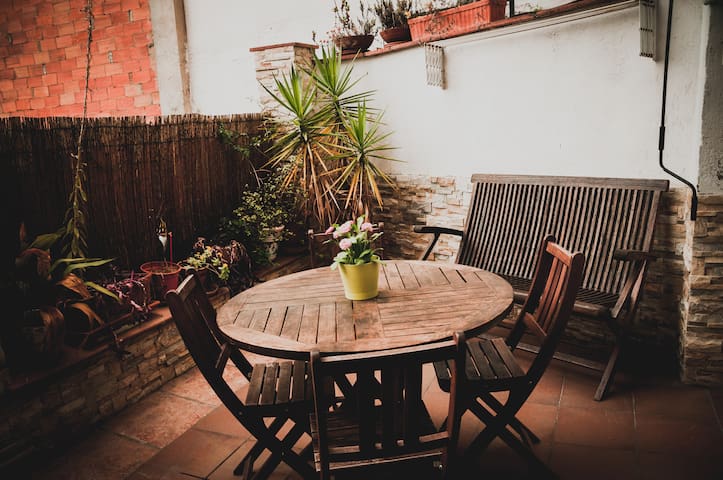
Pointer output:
661, 135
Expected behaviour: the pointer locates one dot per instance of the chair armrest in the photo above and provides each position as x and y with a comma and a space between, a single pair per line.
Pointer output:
436, 231
625, 255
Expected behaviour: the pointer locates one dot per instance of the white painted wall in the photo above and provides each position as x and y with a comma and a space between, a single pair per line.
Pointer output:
220, 33
569, 99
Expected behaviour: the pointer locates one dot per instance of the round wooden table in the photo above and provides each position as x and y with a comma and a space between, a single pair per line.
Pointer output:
418, 302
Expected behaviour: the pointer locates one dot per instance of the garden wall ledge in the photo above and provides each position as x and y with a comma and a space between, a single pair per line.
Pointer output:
522, 18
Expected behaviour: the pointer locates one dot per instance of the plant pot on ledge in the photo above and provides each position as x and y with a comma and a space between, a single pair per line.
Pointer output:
353, 44
456, 20
396, 34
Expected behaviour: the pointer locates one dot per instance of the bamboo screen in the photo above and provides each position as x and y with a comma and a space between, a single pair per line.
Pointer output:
175, 167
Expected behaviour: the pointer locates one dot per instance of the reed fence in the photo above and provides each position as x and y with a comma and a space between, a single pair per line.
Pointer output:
138, 171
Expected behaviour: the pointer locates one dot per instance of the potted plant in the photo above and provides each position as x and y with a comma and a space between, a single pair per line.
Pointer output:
357, 260
447, 18
392, 16
328, 138
259, 222
209, 264
349, 35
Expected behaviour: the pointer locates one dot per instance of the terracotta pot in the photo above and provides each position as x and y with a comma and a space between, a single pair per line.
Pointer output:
396, 34
361, 282
164, 277
354, 43
452, 21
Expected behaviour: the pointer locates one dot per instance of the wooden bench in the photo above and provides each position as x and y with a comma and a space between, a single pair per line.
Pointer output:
610, 220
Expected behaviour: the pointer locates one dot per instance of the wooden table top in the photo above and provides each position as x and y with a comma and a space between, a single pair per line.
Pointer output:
418, 302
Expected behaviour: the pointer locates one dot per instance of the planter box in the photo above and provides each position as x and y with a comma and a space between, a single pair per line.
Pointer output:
457, 20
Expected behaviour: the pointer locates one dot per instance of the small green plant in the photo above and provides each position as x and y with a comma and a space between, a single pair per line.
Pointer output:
433, 6
272, 204
209, 258
393, 13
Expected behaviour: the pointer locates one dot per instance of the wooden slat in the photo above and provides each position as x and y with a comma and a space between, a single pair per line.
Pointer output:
327, 322
284, 383
268, 389
299, 381
309, 328
292, 322
256, 384
506, 355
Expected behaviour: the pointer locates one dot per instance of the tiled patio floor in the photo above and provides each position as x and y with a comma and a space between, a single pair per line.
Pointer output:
647, 429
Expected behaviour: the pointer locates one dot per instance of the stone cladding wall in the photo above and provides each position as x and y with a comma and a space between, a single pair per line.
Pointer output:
275, 61
701, 346
48, 412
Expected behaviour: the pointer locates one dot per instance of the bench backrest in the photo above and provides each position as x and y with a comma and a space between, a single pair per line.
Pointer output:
508, 215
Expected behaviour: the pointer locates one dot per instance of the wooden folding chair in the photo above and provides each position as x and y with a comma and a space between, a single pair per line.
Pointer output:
278, 390
384, 419
492, 367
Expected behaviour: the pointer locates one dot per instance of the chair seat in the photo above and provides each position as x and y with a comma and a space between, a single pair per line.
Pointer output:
490, 364
343, 436
590, 303
286, 384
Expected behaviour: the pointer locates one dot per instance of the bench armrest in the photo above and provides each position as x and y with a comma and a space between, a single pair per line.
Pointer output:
625, 255
436, 231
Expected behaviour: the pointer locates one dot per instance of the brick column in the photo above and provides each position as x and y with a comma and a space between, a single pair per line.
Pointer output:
274, 61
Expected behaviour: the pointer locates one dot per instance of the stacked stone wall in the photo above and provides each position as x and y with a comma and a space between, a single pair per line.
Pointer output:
48, 412
701, 346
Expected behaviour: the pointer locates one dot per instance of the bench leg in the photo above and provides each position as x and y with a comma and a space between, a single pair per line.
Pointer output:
608, 374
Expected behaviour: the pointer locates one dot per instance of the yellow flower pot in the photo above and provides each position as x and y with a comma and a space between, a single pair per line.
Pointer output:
361, 282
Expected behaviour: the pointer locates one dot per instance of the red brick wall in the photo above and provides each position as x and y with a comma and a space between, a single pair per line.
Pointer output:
43, 58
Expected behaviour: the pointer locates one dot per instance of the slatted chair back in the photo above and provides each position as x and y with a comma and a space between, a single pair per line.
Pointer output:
545, 313
278, 390
596, 216
193, 314
383, 418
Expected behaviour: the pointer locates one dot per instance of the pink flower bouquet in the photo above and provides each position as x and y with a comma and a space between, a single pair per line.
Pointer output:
355, 242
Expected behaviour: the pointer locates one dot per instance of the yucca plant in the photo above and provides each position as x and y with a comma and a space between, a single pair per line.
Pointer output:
334, 84
327, 140
362, 144
305, 142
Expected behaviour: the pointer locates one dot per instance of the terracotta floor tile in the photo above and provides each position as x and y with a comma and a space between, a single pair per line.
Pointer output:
196, 452
191, 385
670, 435
152, 472
101, 455
220, 420
717, 399
158, 419
662, 466
283, 471
575, 462
579, 390
595, 428
690, 404
540, 418
500, 461
548, 390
